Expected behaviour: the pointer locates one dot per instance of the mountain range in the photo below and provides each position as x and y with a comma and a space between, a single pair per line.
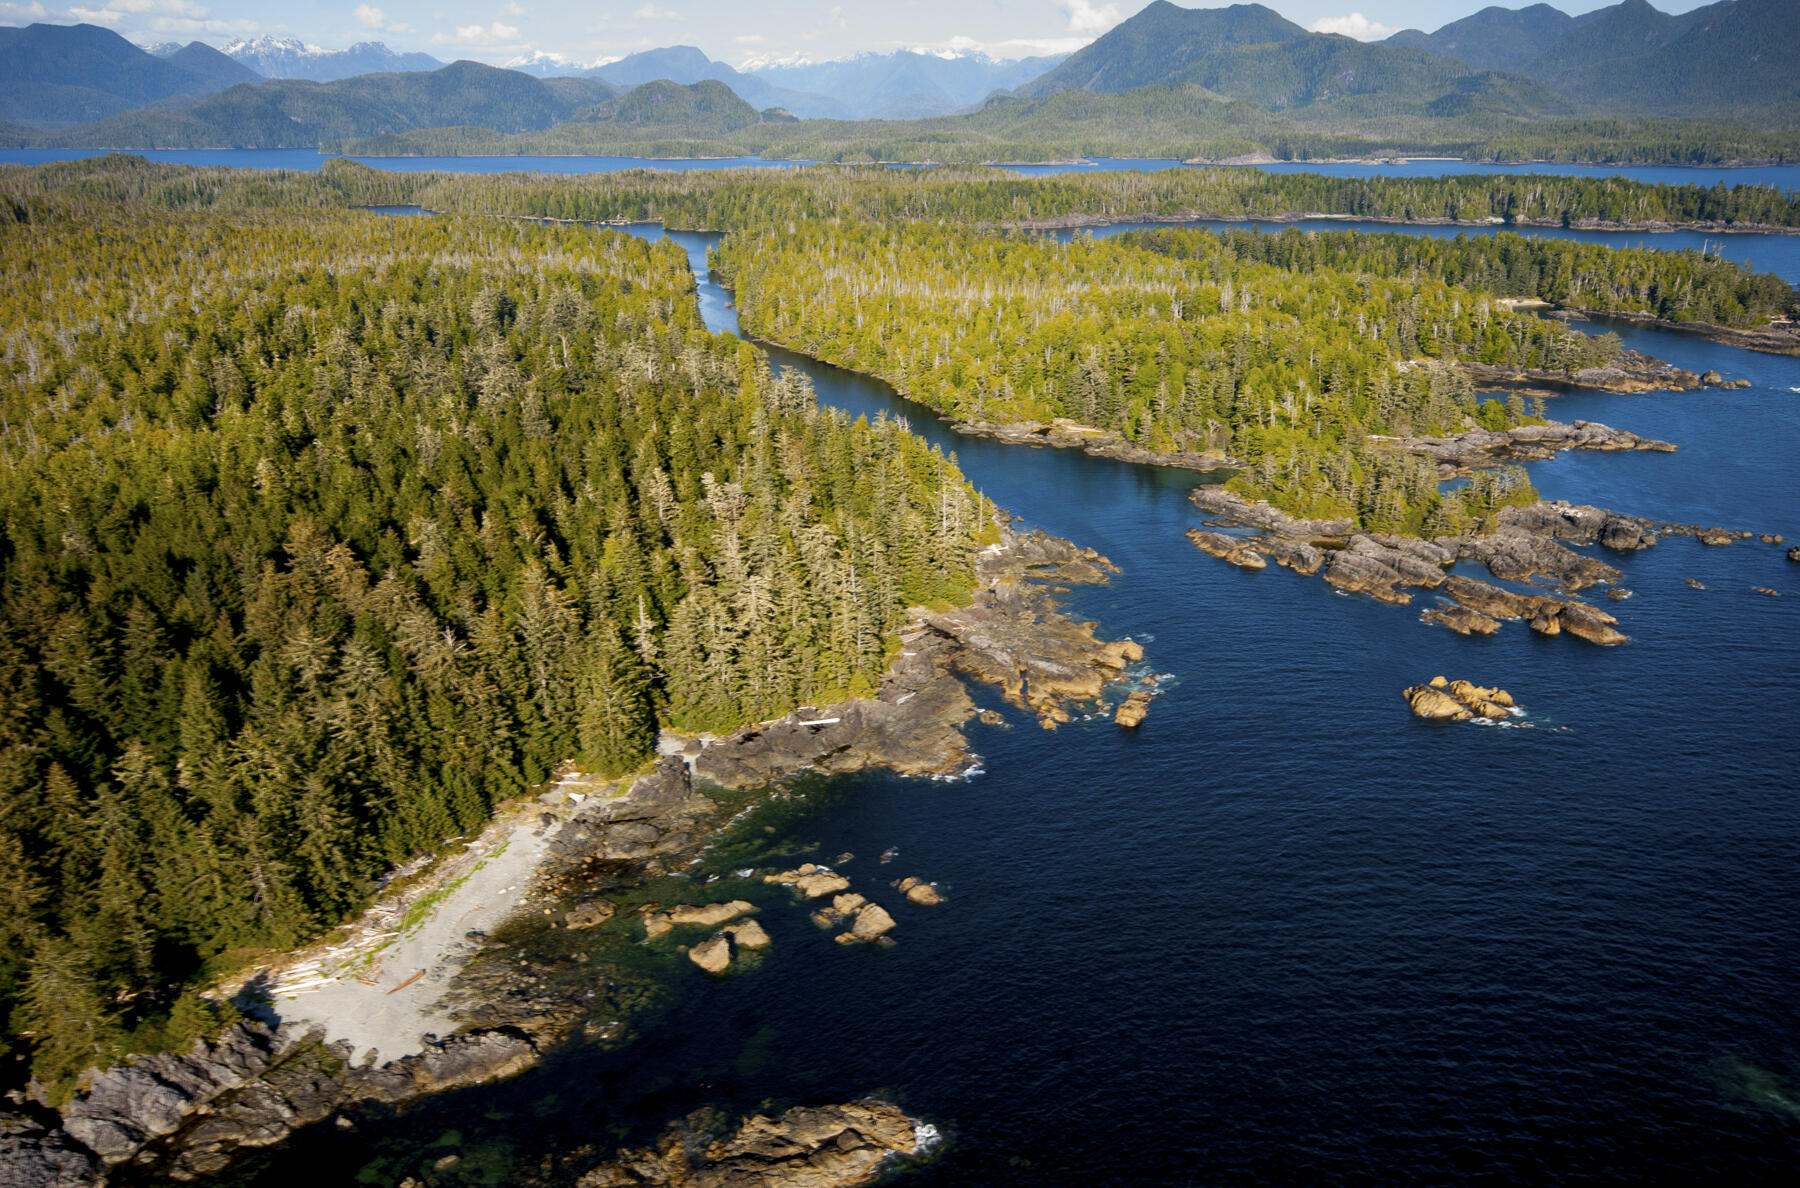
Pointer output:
1242, 79
286, 57
1631, 57
57, 75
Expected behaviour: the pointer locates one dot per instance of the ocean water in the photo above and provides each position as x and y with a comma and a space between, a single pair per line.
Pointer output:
1284, 932
1785, 177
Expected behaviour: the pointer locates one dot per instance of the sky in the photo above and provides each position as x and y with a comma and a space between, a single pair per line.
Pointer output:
733, 31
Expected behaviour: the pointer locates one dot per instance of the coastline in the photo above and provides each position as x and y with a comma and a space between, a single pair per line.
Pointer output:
1653, 227
331, 1012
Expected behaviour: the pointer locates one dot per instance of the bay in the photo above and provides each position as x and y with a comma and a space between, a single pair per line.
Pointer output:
1283, 932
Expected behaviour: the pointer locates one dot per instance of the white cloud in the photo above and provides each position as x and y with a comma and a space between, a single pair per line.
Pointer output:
1087, 17
1353, 24
34, 10
494, 34
96, 16
750, 39
650, 12
513, 10
371, 16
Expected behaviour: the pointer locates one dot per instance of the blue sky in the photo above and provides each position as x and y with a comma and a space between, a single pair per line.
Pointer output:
731, 30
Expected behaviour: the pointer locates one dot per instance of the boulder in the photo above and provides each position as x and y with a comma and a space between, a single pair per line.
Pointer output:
1436, 705
1694, 583
1765, 591
872, 922
1361, 573
1793, 554
924, 894
712, 954
1716, 537
1133, 709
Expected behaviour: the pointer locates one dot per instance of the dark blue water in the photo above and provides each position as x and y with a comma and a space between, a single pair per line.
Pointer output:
1786, 177
1284, 932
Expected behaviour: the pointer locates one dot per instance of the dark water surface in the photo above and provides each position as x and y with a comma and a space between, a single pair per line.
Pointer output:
1284, 932
1785, 177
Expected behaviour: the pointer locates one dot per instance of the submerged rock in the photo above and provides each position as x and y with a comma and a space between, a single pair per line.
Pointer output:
835, 1146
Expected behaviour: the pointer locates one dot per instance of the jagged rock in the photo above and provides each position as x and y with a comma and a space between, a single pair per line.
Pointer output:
1477, 448
836, 1146
1547, 625
124, 1108
709, 915
1618, 593
1765, 591
1716, 537
1361, 573
1793, 554
1298, 555
590, 914
1461, 620
1457, 701
842, 906
1516, 554
1590, 623
1228, 505
33, 1155
1231, 549
1133, 709
810, 881
712, 954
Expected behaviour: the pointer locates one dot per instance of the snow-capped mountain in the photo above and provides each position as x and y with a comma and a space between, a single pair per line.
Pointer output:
544, 64
289, 57
904, 84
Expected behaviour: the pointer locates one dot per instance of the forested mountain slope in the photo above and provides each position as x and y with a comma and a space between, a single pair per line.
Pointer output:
55, 75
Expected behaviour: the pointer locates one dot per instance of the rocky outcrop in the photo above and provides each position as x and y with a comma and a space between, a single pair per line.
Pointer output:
1229, 505
918, 891
35, 1154
871, 923
659, 814
1441, 700
1133, 710
836, 1146
712, 954
1630, 372
842, 908
1793, 554
1100, 443
1547, 615
811, 881
1232, 549
1463, 452
1516, 554
1461, 620
186, 1115
1011, 636
707, 915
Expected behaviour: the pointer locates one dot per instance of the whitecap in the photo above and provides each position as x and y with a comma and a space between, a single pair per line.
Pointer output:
926, 1138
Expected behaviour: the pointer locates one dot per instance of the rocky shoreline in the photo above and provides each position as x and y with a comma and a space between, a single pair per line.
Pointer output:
1078, 221
1461, 453
1631, 373
1526, 545
1099, 443
183, 1116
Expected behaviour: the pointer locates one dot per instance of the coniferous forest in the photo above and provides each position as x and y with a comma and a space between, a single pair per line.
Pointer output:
326, 532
